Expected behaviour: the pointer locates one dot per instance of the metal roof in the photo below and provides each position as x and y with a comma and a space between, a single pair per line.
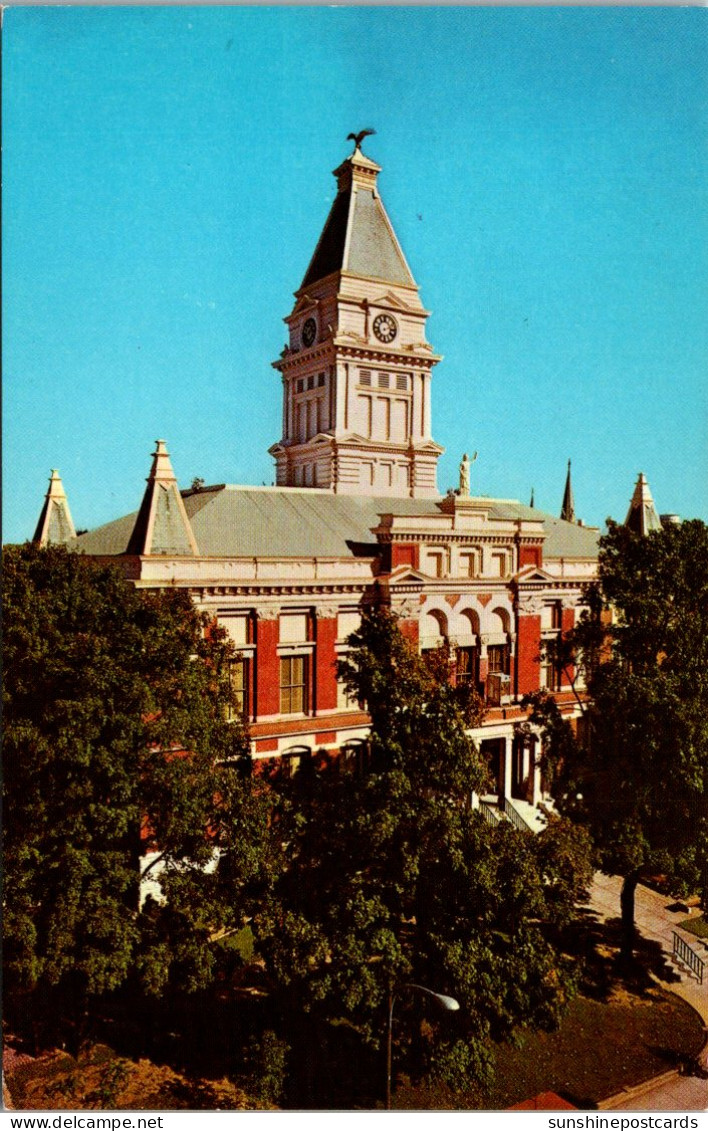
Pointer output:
291, 522
372, 249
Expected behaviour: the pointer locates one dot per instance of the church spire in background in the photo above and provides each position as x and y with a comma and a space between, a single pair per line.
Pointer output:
55, 523
568, 507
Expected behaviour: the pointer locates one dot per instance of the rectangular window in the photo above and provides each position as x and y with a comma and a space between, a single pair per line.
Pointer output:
364, 377
467, 666
384, 380
238, 678
300, 384
311, 382
293, 684
550, 675
344, 701
402, 382
498, 658
320, 380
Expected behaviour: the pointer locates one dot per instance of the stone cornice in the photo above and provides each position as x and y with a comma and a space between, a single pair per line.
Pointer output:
316, 352
436, 537
410, 358
300, 589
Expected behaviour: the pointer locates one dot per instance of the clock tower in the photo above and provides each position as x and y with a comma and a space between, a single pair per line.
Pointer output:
356, 371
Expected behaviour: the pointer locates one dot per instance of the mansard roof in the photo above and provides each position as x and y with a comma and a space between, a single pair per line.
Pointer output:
358, 236
277, 522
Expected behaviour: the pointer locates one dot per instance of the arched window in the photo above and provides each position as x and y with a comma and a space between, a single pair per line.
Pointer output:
434, 624
293, 758
498, 622
472, 619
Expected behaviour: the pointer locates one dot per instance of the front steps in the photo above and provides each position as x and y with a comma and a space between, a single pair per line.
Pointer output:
524, 816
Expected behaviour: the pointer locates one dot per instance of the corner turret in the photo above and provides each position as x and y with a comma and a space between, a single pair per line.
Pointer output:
55, 523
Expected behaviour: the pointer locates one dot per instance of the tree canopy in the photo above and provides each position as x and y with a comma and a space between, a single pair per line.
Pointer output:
391, 877
637, 775
116, 741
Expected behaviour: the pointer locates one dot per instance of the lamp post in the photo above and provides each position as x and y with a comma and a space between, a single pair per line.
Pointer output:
449, 1003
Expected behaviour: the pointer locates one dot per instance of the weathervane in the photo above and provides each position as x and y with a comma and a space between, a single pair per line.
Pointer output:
358, 138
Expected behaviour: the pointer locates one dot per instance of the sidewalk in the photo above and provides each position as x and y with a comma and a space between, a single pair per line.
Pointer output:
654, 920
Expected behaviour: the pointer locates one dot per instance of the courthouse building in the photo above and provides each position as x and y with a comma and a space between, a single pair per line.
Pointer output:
355, 518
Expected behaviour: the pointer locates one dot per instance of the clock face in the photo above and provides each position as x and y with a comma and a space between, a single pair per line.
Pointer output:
385, 327
309, 331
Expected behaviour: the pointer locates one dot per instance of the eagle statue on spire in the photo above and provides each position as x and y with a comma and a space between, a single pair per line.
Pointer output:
358, 138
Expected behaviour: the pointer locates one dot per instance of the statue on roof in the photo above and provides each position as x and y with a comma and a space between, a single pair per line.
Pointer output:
358, 138
465, 465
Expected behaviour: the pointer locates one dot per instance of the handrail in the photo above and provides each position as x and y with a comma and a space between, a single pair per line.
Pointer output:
516, 819
687, 955
491, 816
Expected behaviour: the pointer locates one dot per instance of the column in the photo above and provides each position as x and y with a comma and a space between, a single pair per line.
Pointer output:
508, 756
426, 413
483, 660
535, 773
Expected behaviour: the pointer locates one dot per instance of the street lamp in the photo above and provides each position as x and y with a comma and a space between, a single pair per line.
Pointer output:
449, 1003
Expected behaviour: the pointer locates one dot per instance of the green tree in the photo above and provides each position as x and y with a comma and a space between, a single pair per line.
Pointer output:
637, 777
393, 878
115, 741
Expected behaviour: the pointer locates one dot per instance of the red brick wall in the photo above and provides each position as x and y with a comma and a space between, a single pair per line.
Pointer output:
528, 648
530, 555
267, 675
405, 553
325, 661
568, 623
411, 631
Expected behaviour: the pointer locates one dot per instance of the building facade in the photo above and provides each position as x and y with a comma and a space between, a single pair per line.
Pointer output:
356, 518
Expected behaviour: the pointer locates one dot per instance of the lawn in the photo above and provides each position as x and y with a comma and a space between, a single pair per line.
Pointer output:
600, 1048
697, 925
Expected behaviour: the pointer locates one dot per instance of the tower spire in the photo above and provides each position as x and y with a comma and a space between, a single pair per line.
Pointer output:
55, 523
568, 508
162, 526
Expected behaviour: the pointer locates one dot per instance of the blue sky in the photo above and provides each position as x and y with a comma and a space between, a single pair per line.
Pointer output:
167, 175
